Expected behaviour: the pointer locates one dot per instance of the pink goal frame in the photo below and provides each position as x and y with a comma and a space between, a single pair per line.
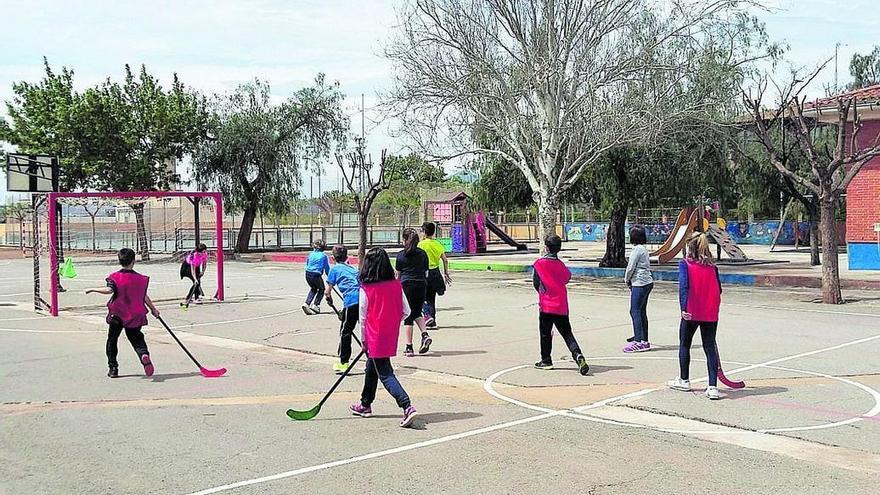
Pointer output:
52, 202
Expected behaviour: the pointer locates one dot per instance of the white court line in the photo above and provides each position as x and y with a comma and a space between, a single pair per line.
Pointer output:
21, 330
17, 294
374, 455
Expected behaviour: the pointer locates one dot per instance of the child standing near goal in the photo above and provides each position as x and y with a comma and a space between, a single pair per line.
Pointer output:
317, 265
382, 306
550, 277
436, 285
345, 277
699, 295
127, 310
193, 267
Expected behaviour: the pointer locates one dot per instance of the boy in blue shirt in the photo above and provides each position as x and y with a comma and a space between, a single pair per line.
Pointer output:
345, 277
316, 266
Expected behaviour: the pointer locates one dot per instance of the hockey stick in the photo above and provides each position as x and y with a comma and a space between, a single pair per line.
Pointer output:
311, 413
730, 383
207, 373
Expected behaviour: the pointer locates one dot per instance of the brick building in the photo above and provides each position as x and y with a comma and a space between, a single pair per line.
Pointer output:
863, 193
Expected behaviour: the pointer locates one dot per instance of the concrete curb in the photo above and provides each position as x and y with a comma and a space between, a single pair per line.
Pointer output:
743, 279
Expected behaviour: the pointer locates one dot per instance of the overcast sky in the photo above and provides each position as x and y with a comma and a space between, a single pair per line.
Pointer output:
215, 45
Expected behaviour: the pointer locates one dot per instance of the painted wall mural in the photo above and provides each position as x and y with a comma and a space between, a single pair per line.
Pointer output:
742, 232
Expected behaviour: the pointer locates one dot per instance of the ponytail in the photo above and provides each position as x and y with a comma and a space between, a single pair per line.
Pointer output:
410, 241
698, 249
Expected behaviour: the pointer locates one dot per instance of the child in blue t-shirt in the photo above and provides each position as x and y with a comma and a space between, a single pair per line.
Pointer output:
345, 277
316, 266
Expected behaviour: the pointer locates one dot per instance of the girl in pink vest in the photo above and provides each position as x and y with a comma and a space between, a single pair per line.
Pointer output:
382, 307
699, 294
550, 277
193, 267
127, 310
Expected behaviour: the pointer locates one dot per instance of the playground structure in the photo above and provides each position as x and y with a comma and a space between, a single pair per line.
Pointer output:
689, 221
466, 229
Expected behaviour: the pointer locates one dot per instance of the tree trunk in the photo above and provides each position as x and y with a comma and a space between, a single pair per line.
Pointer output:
548, 210
94, 245
363, 220
138, 209
830, 273
615, 239
243, 244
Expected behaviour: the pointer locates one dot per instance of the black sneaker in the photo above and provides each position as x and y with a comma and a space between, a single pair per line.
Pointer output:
426, 343
541, 365
430, 322
113, 372
583, 367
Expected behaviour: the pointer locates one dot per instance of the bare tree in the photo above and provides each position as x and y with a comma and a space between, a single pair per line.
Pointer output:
363, 187
92, 215
832, 167
553, 84
19, 211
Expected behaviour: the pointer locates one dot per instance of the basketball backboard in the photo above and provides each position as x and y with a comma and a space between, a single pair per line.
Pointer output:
31, 173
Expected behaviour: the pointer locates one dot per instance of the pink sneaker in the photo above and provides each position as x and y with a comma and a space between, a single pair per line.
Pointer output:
632, 347
408, 415
148, 365
361, 410
643, 347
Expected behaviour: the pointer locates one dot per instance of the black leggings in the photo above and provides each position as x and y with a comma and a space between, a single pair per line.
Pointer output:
194, 274
135, 336
686, 332
415, 297
350, 315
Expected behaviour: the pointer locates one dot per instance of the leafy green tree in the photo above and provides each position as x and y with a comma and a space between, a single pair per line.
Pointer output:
865, 69
43, 118
259, 149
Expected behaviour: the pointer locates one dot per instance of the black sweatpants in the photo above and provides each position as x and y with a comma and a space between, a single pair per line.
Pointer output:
194, 274
316, 288
546, 322
135, 336
350, 319
436, 286
686, 332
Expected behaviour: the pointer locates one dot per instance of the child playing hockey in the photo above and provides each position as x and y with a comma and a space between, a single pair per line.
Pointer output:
127, 310
316, 266
436, 284
382, 307
193, 268
345, 277
699, 295
412, 269
550, 277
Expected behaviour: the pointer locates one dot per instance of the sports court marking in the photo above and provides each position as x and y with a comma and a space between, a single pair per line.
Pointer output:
785, 446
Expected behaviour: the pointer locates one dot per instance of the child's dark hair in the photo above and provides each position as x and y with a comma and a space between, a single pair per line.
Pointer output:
410, 241
375, 267
637, 235
429, 228
319, 244
340, 253
126, 257
553, 243
201, 247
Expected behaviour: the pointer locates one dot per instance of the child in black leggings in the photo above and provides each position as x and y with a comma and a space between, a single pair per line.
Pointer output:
699, 292
412, 269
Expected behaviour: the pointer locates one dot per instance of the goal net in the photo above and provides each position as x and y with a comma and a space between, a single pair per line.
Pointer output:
76, 237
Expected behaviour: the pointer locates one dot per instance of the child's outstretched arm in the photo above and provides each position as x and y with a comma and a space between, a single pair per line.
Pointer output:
153, 309
100, 290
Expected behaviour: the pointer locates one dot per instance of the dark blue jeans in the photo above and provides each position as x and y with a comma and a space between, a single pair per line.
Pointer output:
638, 311
686, 337
380, 369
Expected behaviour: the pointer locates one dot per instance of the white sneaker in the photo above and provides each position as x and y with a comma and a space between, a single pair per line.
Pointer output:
679, 384
316, 309
712, 393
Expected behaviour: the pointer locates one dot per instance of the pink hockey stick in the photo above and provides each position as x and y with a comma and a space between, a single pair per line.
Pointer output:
207, 373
